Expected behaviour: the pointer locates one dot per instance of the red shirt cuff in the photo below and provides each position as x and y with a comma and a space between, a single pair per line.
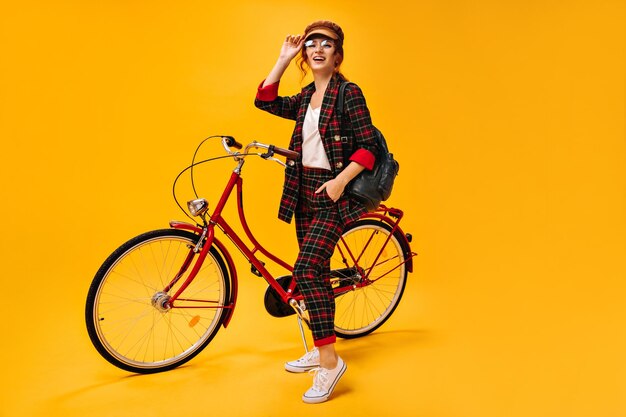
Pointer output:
267, 93
364, 157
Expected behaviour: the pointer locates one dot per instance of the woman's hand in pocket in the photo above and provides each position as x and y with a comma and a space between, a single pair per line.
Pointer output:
334, 188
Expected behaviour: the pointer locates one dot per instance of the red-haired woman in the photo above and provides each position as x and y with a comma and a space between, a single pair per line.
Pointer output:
314, 185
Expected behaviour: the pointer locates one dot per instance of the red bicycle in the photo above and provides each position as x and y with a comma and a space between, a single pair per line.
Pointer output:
160, 298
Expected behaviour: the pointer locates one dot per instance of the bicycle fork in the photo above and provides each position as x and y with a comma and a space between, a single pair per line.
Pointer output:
199, 252
202, 249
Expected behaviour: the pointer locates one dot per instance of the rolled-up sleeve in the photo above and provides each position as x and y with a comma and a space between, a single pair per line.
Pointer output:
267, 93
364, 157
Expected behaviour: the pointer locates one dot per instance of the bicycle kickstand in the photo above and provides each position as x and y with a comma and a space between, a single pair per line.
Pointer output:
306, 346
303, 316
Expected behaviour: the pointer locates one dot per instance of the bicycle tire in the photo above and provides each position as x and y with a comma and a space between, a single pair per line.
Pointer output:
363, 309
122, 313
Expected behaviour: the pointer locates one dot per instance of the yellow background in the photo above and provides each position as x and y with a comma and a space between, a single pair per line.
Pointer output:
507, 118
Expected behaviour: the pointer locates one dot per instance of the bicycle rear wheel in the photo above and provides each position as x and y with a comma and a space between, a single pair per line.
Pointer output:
371, 259
127, 313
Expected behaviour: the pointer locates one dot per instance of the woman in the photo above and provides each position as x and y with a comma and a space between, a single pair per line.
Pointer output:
314, 185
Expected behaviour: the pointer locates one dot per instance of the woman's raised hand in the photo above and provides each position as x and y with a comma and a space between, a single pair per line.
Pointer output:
291, 47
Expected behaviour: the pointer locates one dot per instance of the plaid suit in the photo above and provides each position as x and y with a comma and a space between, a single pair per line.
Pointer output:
318, 227
294, 108
319, 220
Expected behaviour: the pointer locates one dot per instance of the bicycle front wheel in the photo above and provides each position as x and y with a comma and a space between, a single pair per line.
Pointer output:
370, 262
128, 316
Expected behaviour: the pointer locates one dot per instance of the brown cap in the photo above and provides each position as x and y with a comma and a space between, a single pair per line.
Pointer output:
326, 28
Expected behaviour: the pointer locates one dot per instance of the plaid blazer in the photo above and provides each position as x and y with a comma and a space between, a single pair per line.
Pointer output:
295, 108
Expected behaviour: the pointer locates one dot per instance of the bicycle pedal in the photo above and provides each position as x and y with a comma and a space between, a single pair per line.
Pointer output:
301, 312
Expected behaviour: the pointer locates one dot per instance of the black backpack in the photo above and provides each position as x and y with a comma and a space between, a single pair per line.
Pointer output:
369, 187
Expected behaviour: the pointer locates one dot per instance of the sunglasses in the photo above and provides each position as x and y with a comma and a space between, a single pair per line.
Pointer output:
315, 44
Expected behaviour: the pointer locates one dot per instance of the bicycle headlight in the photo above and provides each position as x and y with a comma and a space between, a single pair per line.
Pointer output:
198, 207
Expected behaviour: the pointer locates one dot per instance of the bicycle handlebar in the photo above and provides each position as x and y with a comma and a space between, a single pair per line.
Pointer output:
285, 152
230, 142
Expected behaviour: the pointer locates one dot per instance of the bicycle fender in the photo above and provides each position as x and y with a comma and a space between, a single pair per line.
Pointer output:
404, 241
232, 273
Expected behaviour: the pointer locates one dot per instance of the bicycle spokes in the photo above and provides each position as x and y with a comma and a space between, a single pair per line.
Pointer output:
369, 275
132, 320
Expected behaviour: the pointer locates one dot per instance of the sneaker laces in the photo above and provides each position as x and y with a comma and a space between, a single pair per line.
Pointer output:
320, 379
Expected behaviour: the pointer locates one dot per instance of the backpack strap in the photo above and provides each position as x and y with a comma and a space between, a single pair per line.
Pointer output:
344, 132
341, 98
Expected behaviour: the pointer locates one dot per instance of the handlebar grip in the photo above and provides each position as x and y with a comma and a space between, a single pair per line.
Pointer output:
287, 153
231, 142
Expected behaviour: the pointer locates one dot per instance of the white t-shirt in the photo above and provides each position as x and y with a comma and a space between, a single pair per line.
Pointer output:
313, 153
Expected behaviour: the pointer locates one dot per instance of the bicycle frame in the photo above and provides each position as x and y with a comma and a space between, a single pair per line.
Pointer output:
161, 297
208, 239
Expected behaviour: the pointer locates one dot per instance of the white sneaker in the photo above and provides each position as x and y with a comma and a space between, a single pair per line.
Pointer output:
310, 360
324, 383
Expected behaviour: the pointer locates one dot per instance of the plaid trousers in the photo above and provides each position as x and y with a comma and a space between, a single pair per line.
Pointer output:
318, 227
